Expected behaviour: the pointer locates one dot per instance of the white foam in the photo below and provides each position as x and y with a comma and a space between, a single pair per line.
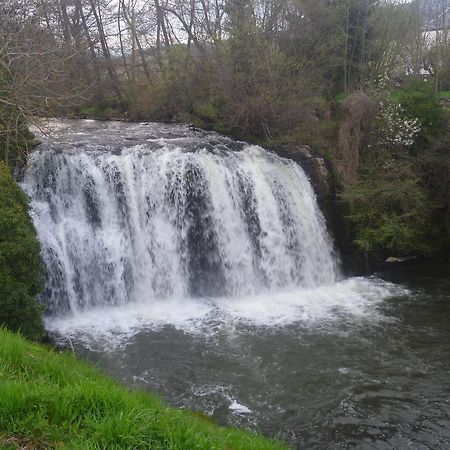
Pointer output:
238, 408
352, 299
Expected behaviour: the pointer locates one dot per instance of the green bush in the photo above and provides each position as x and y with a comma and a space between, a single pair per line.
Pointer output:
20, 262
389, 212
419, 99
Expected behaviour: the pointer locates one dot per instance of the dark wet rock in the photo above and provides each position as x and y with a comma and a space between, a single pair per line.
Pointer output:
295, 152
314, 165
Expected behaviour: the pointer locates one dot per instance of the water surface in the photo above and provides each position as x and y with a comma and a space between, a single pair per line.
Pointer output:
378, 380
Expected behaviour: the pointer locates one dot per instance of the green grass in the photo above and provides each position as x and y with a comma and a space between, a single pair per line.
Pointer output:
52, 400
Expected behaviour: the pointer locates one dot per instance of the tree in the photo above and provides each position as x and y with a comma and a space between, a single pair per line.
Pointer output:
436, 29
35, 73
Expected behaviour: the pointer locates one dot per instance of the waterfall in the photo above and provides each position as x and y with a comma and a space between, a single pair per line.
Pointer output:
136, 212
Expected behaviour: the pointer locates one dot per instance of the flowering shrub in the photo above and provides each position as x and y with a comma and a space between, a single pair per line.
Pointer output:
397, 128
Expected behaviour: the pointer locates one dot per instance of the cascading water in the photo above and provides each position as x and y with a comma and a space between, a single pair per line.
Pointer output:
137, 213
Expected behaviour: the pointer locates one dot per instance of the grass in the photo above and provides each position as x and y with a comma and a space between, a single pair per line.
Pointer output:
51, 400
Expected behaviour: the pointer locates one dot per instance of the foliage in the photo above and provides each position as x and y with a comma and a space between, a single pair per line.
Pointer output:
389, 211
20, 263
397, 129
398, 198
434, 164
444, 94
420, 101
55, 401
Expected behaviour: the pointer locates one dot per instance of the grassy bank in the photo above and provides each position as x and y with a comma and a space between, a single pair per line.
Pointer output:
52, 400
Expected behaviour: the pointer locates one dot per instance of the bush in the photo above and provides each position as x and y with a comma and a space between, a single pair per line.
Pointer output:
20, 262
390, 212
419, 100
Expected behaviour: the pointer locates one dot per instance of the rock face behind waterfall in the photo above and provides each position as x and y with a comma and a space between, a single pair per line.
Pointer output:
133, 212
314, 166
322, 176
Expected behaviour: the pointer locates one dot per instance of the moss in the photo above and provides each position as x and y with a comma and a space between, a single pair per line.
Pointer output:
20, 262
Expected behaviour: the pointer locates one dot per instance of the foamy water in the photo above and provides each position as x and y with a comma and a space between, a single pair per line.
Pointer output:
352, 299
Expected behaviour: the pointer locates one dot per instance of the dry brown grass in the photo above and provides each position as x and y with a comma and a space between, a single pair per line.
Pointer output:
19, 443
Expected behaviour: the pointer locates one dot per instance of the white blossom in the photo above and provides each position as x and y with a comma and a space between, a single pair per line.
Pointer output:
398, 129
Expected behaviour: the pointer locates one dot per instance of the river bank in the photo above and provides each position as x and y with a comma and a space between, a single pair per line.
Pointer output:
52, 400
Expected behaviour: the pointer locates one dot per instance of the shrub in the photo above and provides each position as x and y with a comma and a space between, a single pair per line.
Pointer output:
419, 100
390, 212
20, 262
